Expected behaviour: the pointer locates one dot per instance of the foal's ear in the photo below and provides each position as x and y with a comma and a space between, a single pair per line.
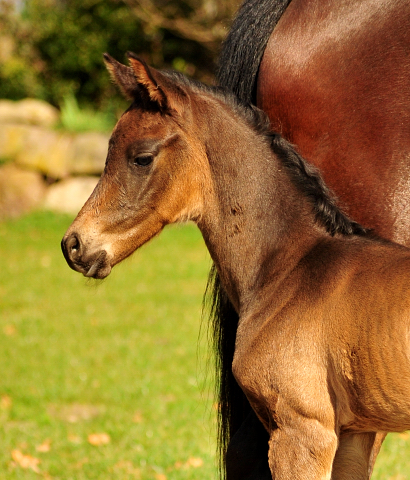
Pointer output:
144, 84
160, 89
147, 82
123, 76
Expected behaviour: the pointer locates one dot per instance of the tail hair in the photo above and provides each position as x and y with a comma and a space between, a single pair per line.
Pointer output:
245, 44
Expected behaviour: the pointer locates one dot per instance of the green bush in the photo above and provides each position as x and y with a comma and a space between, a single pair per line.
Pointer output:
18, 74
70, 38
52, 49
56, 48
76, 119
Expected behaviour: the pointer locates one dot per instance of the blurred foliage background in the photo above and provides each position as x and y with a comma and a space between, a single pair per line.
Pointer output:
52, 49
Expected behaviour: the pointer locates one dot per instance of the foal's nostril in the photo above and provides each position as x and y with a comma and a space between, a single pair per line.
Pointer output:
71, 247
73, 244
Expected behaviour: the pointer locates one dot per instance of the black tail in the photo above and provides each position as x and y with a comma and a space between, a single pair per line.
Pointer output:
238, 67
244, 46
233, 406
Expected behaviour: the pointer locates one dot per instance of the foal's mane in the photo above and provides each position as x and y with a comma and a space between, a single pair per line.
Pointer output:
306, 177
310, 182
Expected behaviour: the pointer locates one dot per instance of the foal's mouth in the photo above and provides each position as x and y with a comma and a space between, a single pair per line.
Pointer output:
95, 266
100, 268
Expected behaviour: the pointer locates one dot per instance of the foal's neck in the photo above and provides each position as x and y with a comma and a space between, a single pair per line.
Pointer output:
257, 225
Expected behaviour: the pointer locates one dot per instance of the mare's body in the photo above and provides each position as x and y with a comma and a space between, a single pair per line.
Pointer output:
322, 348
334, 78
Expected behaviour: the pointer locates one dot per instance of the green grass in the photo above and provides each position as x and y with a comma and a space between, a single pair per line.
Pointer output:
117, 357
393, 462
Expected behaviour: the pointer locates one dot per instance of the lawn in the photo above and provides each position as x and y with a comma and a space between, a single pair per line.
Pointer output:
105, 380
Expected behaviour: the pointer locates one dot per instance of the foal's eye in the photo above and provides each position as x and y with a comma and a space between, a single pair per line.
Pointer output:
144, 159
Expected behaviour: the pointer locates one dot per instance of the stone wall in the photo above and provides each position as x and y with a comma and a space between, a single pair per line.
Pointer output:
42, 166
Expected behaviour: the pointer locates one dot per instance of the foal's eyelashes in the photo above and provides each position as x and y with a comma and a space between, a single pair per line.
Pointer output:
143, 152
144, 159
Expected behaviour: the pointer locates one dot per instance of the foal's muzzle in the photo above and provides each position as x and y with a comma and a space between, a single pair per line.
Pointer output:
94, 265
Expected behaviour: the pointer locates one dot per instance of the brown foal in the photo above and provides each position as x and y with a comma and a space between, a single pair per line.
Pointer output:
322, 347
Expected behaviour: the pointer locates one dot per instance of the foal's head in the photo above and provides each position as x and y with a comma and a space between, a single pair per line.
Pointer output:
154, 174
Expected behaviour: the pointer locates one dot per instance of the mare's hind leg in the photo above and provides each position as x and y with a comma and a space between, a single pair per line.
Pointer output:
247, 454
354, 457
302, 450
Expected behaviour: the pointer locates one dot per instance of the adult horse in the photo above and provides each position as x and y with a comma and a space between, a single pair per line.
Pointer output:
322, 349
334, 78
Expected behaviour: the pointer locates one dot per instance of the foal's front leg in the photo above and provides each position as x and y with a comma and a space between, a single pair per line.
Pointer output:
302, 449
354, 456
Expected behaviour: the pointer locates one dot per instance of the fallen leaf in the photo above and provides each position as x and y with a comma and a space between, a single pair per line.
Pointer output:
9, 330
128, 467
79, 465
160, 476
44, 447
5, 402
74, 439
25, 461
98, 439
191, 462
45, 261
195, 462
137, 418
76, 412
168, 398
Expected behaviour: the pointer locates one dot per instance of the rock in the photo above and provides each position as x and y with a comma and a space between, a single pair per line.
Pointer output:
28, 111
20, 191
88, 153
46, 151
53, 153
36, 148
69, 195
12, 140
